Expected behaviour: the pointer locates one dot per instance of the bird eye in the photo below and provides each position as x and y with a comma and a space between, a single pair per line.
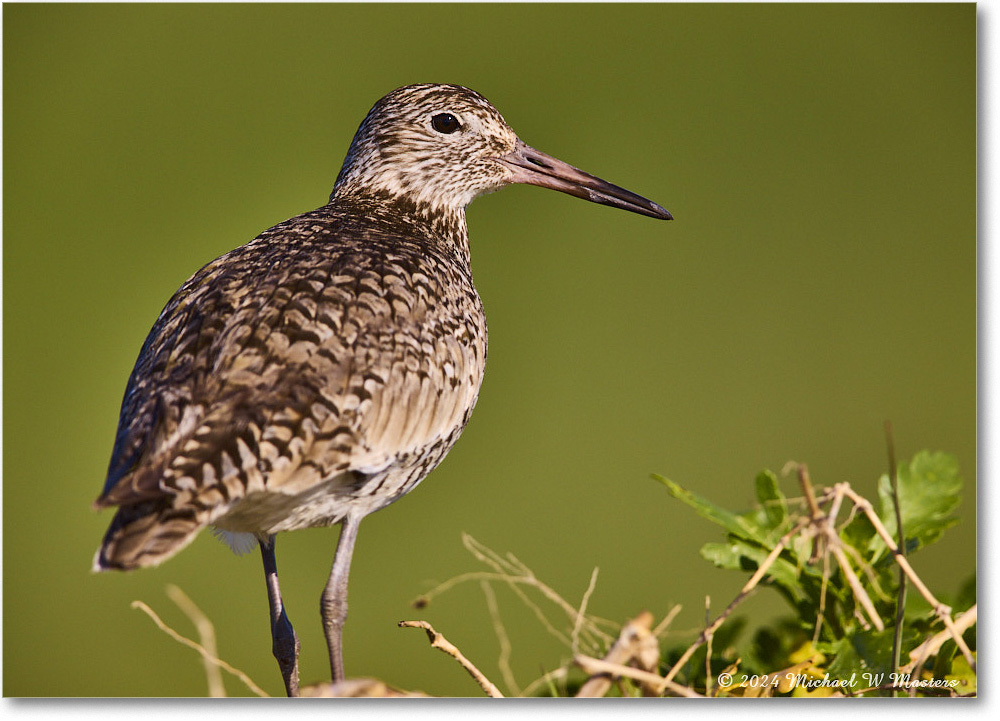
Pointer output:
445, 123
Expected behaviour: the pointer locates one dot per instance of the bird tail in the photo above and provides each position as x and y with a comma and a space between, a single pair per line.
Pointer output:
146, 534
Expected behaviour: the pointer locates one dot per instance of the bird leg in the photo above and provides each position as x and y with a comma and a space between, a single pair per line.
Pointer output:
333, 604
284, 643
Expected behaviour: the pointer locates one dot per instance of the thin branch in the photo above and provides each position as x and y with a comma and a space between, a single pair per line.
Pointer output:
856, 588
708, 647
943, 611
635, 644
807, 489
825, 523
597, 667
821, 612
197, 647
931, 646
357, 688
897, 635
748, 587
815, 512
440, 642
867, 569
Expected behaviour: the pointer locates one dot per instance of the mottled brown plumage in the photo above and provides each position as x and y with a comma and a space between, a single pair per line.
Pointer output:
329, 363
322, 370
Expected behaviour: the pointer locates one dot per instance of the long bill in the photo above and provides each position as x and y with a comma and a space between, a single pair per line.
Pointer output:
533, 167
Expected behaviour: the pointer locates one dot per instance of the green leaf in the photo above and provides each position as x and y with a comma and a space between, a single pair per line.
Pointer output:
865, 652
963, 674
738, 526
772, 500
724, 555
966, 595
943, 660
860, 533
929, 489
742, 556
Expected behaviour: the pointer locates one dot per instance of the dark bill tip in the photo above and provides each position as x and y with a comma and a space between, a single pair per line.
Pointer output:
533, 167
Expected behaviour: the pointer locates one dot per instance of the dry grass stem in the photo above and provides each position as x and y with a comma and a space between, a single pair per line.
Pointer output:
582, 613
546, 679
515, 572
206, 635
513, 582
197, 647
512, 566
661, 627
501, 633
441, 643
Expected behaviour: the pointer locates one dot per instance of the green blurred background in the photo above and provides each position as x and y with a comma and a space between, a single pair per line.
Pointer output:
819, 278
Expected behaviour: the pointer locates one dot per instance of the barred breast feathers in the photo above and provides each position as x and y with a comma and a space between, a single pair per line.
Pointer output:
309, 352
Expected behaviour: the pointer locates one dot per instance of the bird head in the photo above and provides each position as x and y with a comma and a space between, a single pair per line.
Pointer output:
441, 146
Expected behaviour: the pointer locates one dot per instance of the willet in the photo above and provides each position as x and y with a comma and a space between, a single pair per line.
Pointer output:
321, 371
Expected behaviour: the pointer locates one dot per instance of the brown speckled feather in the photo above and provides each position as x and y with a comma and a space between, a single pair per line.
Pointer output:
341, 348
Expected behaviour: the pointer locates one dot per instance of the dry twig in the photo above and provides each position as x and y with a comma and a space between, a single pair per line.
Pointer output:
357, 688
932, 645
601, 668
943, 611
635, 644
440, 642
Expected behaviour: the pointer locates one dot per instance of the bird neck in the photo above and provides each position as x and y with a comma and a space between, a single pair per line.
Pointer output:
445, 225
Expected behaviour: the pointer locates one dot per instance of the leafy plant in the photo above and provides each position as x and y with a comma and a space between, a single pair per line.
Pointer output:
838, 563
